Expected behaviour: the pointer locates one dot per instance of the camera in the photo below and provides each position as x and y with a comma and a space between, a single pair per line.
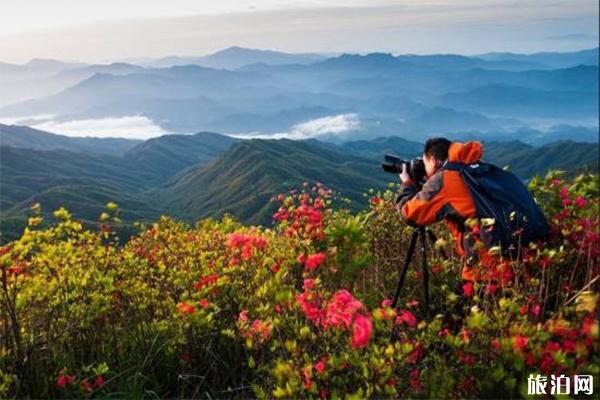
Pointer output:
415, 167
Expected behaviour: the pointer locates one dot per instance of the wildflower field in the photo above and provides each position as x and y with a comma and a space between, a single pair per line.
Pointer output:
298, 310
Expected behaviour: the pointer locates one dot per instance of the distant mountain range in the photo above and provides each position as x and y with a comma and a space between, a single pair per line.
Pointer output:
263, 92
548, 59
235, 57
208, 174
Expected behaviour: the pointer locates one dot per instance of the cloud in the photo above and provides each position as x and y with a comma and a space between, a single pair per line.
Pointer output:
333, 124
397, 26
129, 127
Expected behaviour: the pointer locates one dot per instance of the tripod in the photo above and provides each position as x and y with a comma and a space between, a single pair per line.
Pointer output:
419, 233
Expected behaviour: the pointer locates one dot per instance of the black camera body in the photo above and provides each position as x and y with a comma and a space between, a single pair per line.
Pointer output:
415, 168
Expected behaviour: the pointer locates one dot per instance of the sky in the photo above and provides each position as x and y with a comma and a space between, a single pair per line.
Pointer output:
112, 30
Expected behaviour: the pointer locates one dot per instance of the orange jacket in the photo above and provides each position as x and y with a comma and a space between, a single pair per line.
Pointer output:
444, 196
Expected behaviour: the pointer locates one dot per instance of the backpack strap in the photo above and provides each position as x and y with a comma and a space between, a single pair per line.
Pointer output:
476, 167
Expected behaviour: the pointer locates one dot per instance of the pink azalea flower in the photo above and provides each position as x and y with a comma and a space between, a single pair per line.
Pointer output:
468, 289
580, 202
204, 303
406, 317
314, 260
320, 366
361, 331
341, 309
243, 317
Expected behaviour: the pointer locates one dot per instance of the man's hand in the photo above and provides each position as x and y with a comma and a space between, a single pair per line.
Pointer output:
404, 176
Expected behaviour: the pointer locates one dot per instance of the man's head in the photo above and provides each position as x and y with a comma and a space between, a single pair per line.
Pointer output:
434, 154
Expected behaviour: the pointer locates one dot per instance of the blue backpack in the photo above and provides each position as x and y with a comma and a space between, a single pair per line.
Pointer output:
501, 195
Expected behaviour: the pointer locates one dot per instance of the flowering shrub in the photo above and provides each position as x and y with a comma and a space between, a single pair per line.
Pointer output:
301, 309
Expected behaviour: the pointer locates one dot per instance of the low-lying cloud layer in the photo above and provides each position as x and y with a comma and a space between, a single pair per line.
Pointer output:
333, 124
129, 127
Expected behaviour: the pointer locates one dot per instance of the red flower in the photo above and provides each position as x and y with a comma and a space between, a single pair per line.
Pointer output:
185, 308
551, 347
204, 303
375, 200
467, 359
243, 316
444, 332
415, 354
61, 382
519, 343
465, 335
262, 328
361, 331
523, 310
99, 382
468, 289
412, 303
320, 366
580, 202
318, 203
205, 281
530, 359
406, 317
546, 364
86, 386
301, 258
341, 309
589, 326
246, 252
492, 288
496, 345
544, 262
314, 260
309, 304
307, 374
415, 379
308, 284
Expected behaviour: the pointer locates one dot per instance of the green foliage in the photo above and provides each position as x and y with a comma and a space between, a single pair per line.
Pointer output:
301, 309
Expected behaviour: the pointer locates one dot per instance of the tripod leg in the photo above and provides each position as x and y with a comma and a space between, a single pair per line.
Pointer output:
425, 270
409, 255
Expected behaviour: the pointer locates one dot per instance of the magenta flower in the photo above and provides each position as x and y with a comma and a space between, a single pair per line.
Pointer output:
361, 331
314, 260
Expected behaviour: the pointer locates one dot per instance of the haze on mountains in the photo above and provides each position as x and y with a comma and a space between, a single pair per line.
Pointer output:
170, 135
260, 93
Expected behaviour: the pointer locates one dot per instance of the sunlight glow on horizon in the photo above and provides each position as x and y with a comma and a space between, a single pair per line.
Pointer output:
114, 30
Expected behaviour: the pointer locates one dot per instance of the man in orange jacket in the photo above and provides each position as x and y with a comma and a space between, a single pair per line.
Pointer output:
444, 196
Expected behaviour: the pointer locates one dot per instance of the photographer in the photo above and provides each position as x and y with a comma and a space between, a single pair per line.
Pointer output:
444, 195
460, 186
